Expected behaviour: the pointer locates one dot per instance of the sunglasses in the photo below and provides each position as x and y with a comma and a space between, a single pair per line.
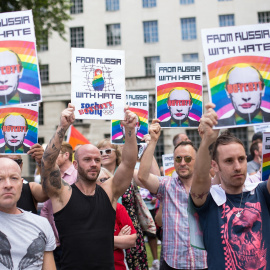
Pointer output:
18, 161
187, 159
107, 151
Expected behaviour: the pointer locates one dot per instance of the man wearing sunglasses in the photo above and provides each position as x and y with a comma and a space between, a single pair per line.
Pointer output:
84, 212
173, 193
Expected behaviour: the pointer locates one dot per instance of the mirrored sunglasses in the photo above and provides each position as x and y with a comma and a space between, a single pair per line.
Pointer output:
107, 151
187, 159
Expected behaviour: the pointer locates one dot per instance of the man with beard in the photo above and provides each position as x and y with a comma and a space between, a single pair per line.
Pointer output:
234, 216
84, 212
173, 194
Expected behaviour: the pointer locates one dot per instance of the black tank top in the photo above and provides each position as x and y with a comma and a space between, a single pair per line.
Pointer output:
26, 200
86, 227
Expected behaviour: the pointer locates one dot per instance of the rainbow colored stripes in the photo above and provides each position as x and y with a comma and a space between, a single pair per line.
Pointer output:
163, 113
266, 167
32, 120
217, 73
27, 53
169, 171
143, 114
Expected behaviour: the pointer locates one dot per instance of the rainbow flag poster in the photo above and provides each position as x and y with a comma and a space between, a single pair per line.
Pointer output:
168, 164
18, 59
179, 94
238, 72
98, 83
19, 128
74, 137
138, 103
266, 156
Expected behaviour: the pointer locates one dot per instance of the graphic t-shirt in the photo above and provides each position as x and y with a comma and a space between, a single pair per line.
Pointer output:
23, 240
237, 237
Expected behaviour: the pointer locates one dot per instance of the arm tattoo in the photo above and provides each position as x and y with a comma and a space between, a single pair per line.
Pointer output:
129, 133
61, 133
55, 179
199, 196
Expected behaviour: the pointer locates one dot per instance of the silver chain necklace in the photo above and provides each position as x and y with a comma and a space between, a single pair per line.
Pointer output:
239, 212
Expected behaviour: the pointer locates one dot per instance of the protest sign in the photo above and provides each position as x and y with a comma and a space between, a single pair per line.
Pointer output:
179, 94
261, 128
98, 83
237, 65
19, 128
19, 72
138, 103
168, 164
266, 156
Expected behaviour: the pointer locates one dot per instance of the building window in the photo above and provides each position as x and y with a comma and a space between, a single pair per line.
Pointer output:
190, 57
112, 5
150, 65
226, 20
40, 114
149, 3
43, 42
186, 2
194, 136
113, 34
44, 73
264, 17
76, 37
188, 26
150, 30
77, 6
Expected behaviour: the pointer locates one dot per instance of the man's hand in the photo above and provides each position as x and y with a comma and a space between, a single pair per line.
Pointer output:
208, 120
36, 152
146, 138
126, 230
130, 119
154, 130
67, 116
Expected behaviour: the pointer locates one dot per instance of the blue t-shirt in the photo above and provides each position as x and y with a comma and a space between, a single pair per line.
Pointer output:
232, 242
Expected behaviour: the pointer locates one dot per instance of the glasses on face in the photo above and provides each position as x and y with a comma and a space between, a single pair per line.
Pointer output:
187, 159
107, 151
18, 161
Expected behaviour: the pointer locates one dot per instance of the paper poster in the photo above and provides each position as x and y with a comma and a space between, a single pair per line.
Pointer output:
138, 103
168, 164
179, 94
98, 83
19, 128
261, 128
237, 65
266, 156
19, 72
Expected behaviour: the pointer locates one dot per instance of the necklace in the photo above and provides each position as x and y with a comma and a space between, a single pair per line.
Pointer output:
239, 212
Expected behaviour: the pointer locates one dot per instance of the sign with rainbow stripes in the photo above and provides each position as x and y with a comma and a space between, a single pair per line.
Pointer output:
266, 156
19, 73
237, 66
168, 164
179, 94
19, 128
98, 83
138, 103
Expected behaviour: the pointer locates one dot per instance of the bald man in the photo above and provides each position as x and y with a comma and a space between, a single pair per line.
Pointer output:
245, 87
26, 240
179, 103
84, 212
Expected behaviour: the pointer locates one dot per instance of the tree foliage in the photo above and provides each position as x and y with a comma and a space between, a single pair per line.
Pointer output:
49, 15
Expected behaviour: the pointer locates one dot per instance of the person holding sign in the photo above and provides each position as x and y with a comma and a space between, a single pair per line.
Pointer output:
179, 103
84, 212
11, 71
14, 129
245, 87
234, 216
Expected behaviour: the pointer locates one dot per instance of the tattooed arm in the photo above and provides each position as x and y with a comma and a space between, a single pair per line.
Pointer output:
53, 185
201, 181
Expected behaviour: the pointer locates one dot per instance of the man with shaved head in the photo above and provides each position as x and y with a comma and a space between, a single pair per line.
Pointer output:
84, 212
26, 240
245, 87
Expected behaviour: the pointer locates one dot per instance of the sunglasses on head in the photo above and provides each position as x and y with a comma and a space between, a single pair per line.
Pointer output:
18, 161
107, 151
187, 159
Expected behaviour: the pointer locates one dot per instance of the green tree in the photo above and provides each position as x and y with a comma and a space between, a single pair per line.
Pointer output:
49, 15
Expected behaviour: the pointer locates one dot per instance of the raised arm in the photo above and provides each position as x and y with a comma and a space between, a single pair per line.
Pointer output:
201, 181
51, 180
148, 180
124, 173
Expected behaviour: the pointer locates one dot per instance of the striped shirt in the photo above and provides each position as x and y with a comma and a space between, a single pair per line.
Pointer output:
177, 251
